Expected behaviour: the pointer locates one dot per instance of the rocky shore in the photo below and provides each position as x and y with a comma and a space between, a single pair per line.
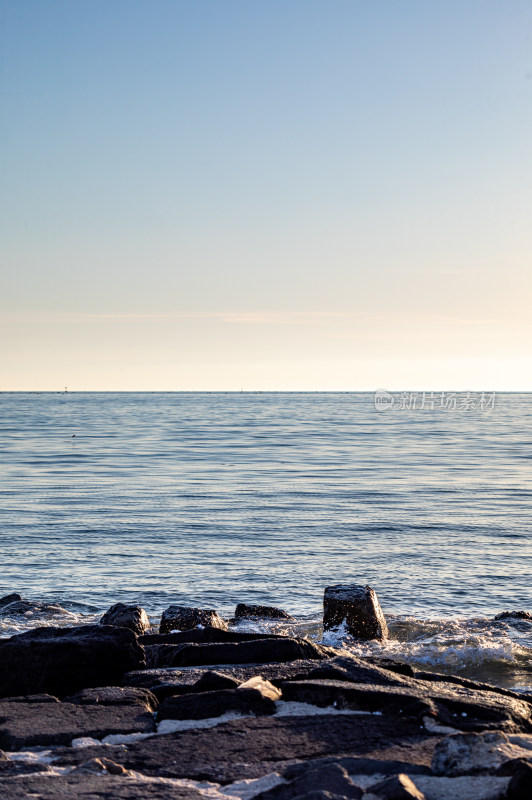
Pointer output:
118, 711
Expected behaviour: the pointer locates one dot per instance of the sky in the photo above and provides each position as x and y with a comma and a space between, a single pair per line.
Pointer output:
269, 195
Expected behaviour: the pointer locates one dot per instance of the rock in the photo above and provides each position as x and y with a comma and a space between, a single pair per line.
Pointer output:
470, 753
266, 688
206, 635
184, 678
250, 652
255, 746
245, 611
513, 615
25, 725
466, 787
87, 786
97, 766
357, 607
115, 696
400, 787
61, 661
10, 598
520, 787
183, 618
398, 701
28, 608
211, 681
214, 704
11, 768
332, 779
124, 616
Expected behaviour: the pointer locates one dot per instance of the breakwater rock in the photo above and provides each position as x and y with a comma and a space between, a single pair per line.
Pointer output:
205, 713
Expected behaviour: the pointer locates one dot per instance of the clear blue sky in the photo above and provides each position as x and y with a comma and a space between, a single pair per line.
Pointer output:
279, 194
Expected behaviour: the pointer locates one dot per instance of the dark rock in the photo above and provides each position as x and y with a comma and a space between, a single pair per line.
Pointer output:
400, 787
391, 665
115, 696
357, 766
29, 608
255, 746
93, 787
206, 635
520, 787
60, 661
251, 652
332, 778
212, 681
186, 677
245, 611
214, 704
357, 607
10, 598
124, 616
513, 615
26, 725
398, 701
184, 618
508, 768
12, 768
319, 794
32, 698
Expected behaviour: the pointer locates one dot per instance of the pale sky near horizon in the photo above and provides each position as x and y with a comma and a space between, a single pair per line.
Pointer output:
279, 194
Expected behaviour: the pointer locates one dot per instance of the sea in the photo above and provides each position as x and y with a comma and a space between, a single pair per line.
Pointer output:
211, 499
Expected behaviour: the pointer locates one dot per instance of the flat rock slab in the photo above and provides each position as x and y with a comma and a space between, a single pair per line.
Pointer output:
88, 787
115, 696
254, 746
251, 652
188, 676
29, 724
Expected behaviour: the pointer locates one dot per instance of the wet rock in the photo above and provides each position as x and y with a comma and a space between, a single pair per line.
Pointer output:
115, 696
357, 607
245, 611
214, 704
10, 598
332, 778
30, 724
61, 661
184, 618
206, 635
123, 616
513, 615
28, 608
250, 652
400, 787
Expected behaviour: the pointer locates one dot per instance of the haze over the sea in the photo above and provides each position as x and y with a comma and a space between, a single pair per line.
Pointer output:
295, 195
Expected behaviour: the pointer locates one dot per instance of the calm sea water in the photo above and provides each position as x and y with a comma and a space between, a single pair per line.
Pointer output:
211, 499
